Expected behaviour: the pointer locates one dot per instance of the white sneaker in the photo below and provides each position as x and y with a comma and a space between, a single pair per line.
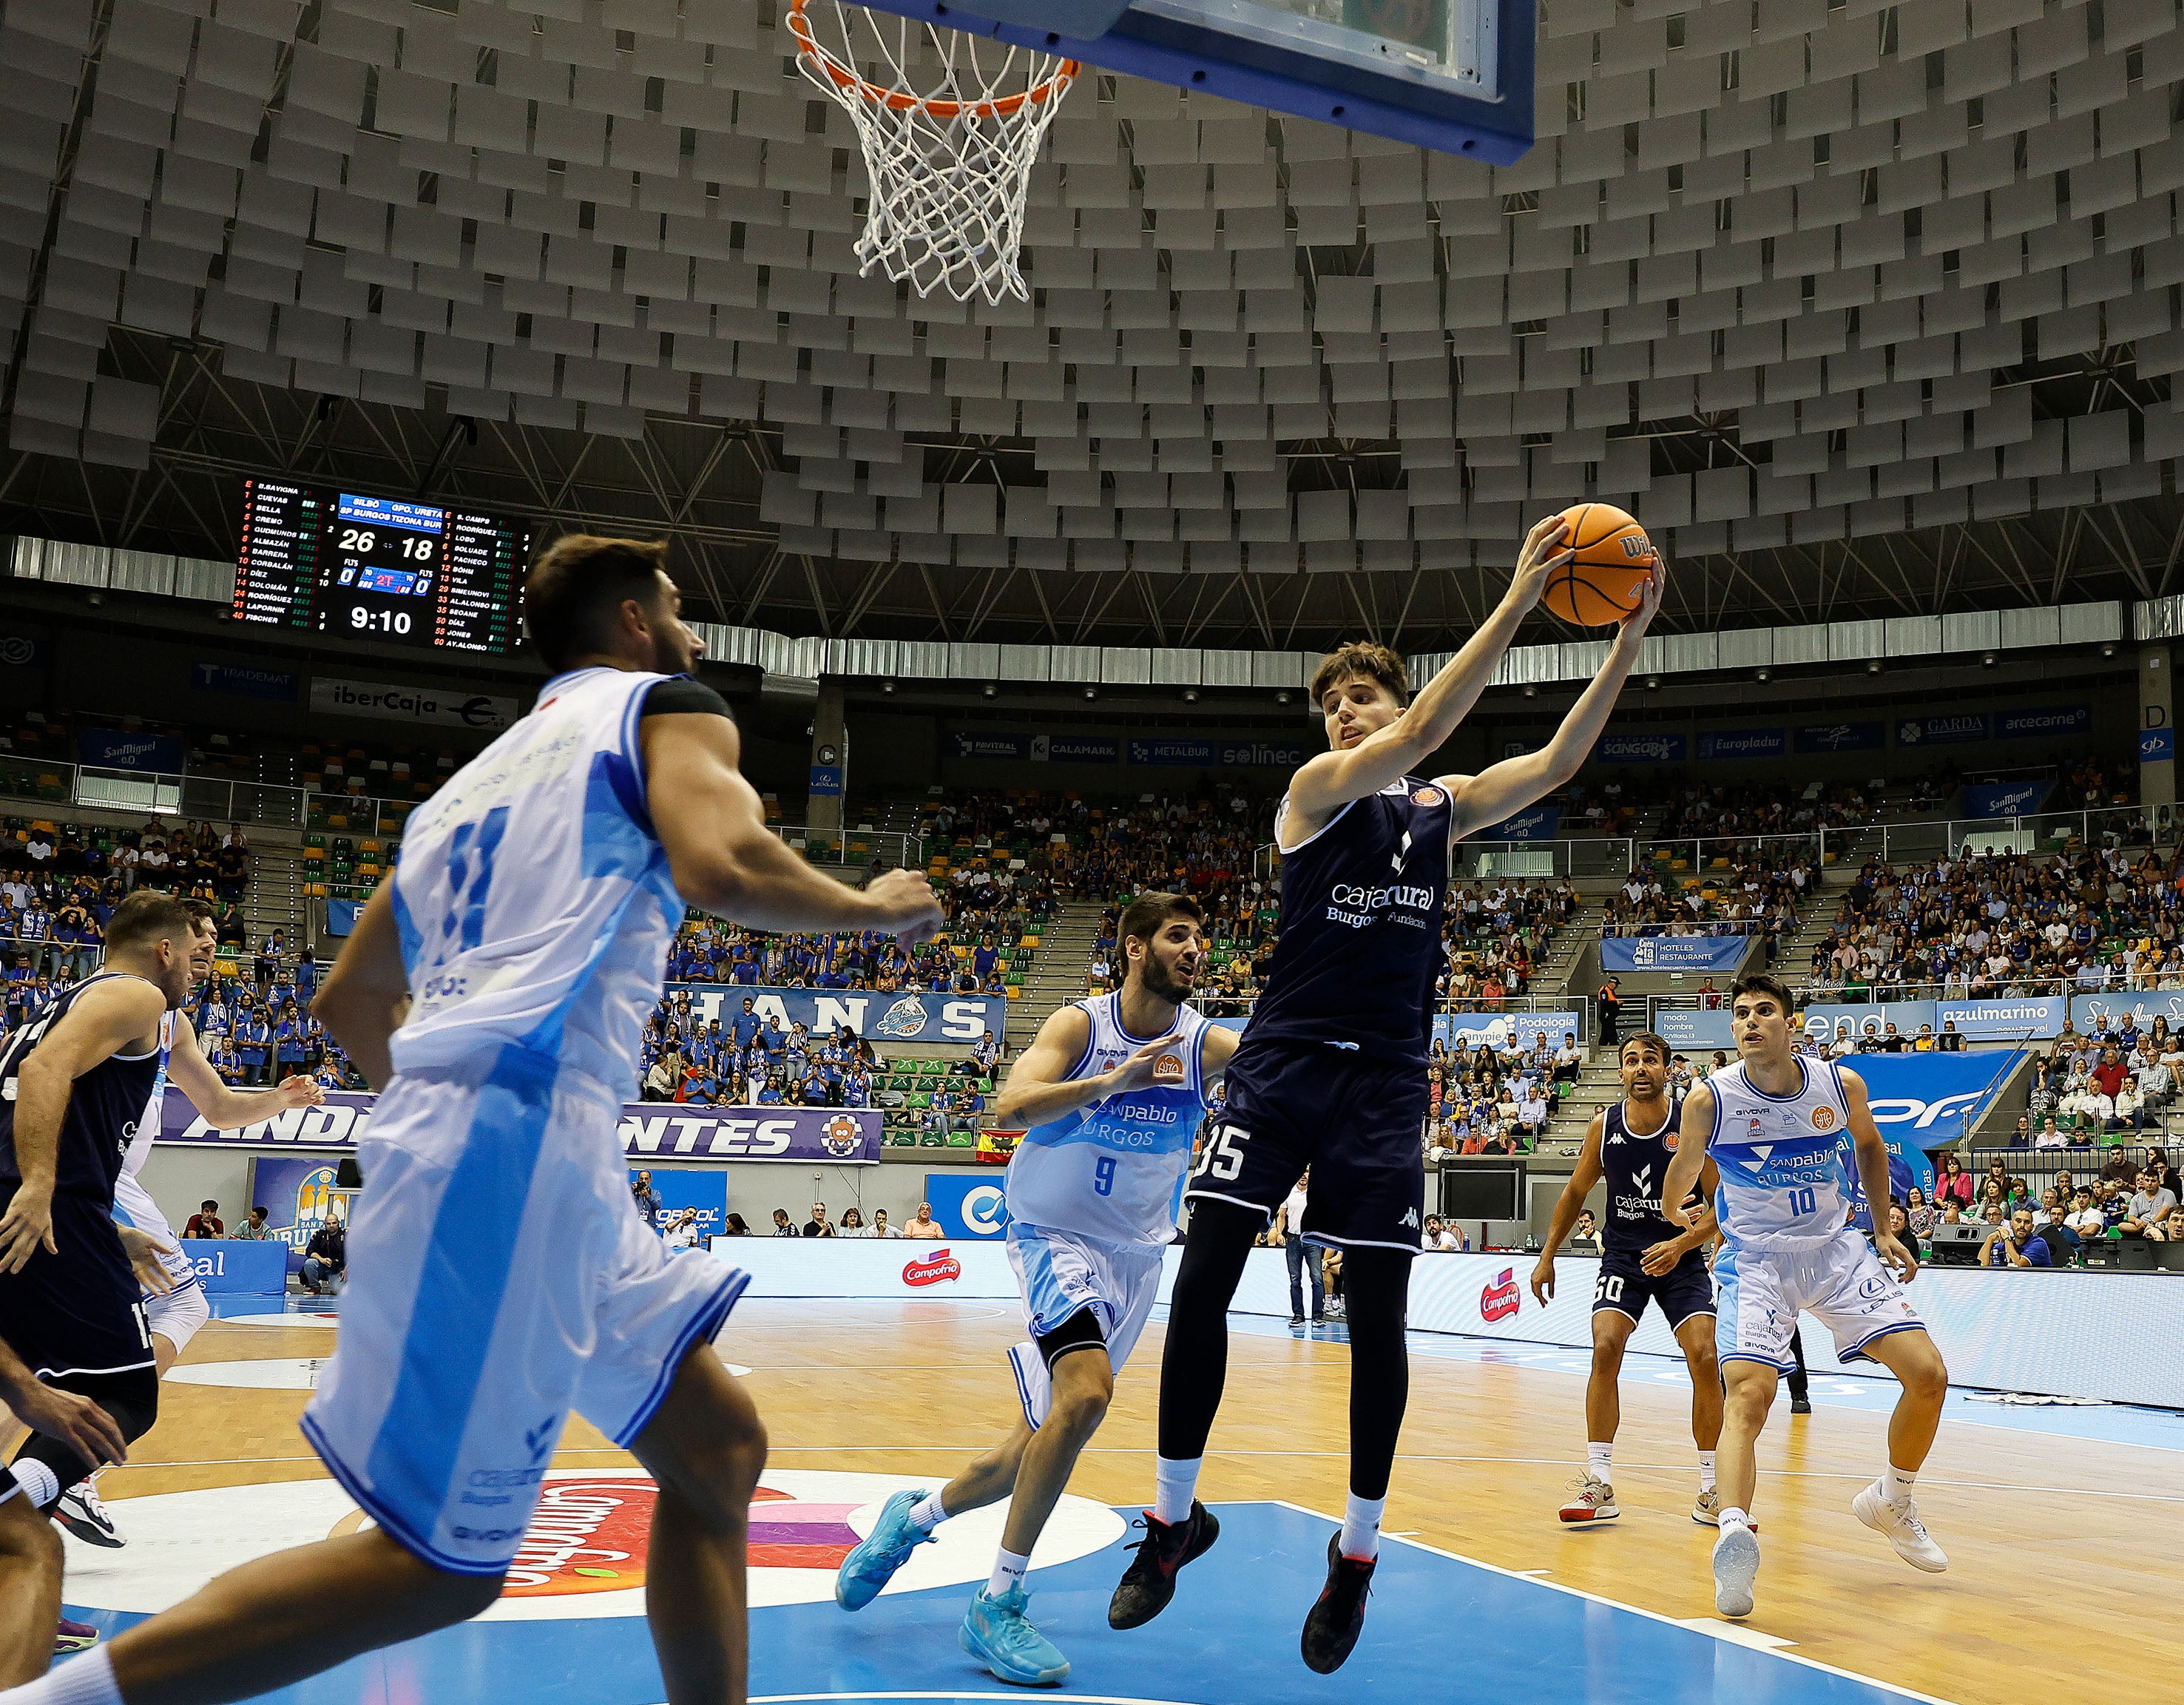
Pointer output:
1593, 1502
82, 1514
1736, 1567
1706, 1510
1901, 1523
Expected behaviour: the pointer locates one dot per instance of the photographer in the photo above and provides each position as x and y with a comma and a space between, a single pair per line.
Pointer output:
646, 1198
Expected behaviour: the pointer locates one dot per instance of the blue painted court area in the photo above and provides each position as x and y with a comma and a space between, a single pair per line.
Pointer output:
1438, 1627
2113, 1424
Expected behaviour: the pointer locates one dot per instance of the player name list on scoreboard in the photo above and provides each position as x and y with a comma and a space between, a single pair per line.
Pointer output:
378, 568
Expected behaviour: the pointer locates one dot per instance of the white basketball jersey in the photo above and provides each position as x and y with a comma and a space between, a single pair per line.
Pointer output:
132, 1203
1115, 1170
535, 903
1784, 1180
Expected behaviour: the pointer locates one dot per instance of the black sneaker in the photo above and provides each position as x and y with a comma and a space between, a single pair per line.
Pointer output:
1149, 1583
1297, 1320
1800, 1406
1331, 1631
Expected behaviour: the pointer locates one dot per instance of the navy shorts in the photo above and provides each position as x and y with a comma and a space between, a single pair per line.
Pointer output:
1624, 1287
1359, 1121
80, 1310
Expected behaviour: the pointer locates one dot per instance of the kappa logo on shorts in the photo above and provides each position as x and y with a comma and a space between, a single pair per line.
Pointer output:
1501, 1299
936, 1268
1823, 1118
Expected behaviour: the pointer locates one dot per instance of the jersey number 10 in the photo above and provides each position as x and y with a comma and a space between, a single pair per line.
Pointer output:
1802, 1201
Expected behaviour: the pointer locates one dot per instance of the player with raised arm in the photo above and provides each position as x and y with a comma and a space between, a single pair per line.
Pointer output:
1332, 1072
1646, 1256
495, 993
1791, 1134
1111, 1090
174, 1304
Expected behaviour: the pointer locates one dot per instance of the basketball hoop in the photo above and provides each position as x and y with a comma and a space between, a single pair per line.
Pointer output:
951, 166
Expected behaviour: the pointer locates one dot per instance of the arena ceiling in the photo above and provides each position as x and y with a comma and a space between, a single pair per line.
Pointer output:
1866, 311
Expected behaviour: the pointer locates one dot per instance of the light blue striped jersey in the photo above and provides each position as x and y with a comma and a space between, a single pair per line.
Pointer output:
132, 1203
1115, 1170
1784, 1179
535, 903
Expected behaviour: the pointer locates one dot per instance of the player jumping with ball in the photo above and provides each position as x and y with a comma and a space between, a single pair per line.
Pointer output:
1786, 1131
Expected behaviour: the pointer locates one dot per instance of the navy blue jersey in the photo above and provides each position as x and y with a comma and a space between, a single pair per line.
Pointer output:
1360, 946
1635, 1166
102, 1110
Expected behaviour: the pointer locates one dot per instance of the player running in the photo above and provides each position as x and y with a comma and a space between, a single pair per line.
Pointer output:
501, 1276
1646, 1256
1112, 1090
174, 1304
1332, 1072
1777, 1125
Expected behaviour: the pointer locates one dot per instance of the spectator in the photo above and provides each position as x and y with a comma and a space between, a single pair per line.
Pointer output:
325, 1256
1955, 1183
2015, 1244
1918, 1212
853, 1223
206, 1222
818, 1225
1587, 1233
781, 1225
683, 1232
924, 1226
2150, 1204
647, 1199
254, 1229
2170, 1230
735, 1226
880, 1225
1300, 1257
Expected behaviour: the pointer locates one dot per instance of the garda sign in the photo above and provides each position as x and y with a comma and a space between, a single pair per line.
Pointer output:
967, 1207
1941, 730
649, 1131
912, 1017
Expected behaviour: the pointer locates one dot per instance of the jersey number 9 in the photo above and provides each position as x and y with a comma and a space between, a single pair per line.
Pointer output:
1103, 1176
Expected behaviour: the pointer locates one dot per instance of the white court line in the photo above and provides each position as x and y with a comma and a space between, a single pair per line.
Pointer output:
1616, 1604
963, 1693
1736, 1633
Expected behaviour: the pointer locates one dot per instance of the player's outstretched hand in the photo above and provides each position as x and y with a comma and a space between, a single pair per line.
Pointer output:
25, 1229
94, 1434
144, 1251
1543, 1280
907, 907
1144, 1067
299, 1091
1545, 551
1649, 601
1894, 1255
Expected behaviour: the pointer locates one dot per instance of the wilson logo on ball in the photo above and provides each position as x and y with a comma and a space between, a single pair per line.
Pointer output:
1610, 563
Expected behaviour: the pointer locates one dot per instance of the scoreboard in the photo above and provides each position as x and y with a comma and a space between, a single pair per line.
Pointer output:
315, 561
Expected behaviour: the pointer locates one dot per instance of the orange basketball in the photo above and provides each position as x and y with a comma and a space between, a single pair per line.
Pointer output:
1606, 579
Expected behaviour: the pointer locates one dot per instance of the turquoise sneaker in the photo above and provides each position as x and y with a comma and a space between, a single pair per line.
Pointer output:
872, 1564
998, 1634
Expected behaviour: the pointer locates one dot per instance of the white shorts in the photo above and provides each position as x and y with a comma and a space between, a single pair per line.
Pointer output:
1062, 1273
1841, 1283
499, 1277
177, 1316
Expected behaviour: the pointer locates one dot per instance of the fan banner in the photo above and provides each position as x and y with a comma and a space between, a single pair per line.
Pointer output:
911, 1018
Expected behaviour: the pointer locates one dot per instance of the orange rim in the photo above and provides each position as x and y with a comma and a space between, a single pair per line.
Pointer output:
895, 100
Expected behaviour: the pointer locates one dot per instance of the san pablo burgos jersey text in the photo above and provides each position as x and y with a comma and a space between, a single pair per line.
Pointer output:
1784, 1180
1115, 1170
105, 1110
535, 903
1635, 1168
1360, 943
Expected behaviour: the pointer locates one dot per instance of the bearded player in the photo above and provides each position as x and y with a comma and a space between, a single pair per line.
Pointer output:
1332, 1072
1777, 1124
1112, 1090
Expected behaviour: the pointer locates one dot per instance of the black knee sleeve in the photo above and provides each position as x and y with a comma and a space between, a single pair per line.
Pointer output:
132, 1399
1195, 1365
1376, 1298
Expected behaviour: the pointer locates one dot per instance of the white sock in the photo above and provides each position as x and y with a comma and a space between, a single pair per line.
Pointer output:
1600, 1460
40, 1484
1896, 1484
1175, 1485
1360, 1526
1009, 1571
926, 1514
85, 1680
1734, 1517
1706, 1471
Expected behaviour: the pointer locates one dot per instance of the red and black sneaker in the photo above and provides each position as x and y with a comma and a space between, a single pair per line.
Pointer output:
1149, 1581
1332, 1628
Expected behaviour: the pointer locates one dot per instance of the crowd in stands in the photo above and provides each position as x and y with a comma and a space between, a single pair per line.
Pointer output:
2040, 1223
1760, 897
2007, 924
1490, 1099
1698, 811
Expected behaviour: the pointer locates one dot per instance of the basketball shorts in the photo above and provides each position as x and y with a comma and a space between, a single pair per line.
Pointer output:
1063, 1275
499, 1277
1356, 1120
76, 1308
176, 1315
1840, 1282
1625, 1287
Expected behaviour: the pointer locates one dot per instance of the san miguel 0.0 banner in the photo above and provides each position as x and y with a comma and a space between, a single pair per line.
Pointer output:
649, 1130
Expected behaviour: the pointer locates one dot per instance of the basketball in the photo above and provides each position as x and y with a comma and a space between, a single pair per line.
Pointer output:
1605, 580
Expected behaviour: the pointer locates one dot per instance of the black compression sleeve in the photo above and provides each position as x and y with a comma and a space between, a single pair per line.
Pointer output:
681, 696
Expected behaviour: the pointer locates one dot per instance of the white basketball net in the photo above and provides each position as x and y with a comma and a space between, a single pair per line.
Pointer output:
951, 124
